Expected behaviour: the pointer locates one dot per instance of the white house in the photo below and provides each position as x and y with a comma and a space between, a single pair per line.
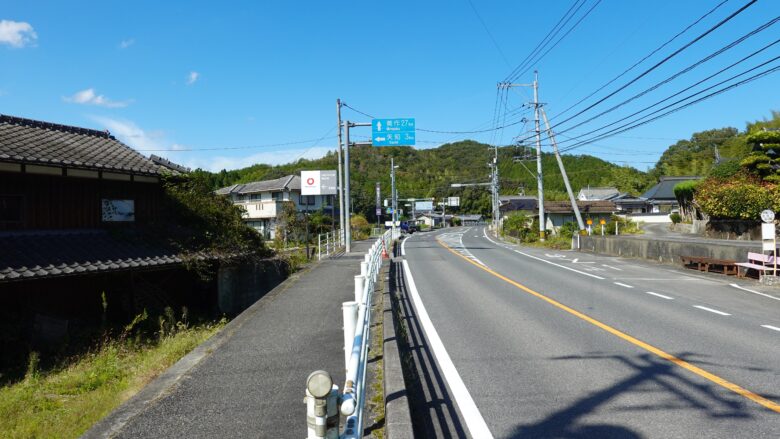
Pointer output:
263, 201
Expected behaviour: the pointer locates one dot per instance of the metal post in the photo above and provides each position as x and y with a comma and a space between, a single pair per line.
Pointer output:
617, 224
340, 179
573, 200
539, 180
360, 283
393, 194
349, 312
347, 218
319, 247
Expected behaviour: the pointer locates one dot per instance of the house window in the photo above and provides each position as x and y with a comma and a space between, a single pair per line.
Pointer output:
277, 196
10, 208
307, 200
254, 197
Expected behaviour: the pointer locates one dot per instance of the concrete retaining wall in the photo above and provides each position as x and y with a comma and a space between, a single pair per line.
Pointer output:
664, 251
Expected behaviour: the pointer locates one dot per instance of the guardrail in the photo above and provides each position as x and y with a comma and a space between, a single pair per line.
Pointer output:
357, 323
329, 242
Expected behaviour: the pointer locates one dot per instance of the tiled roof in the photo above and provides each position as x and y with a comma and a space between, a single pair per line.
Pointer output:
286, 183
584, 206
664, 190
599, 193
35, 142
518, 203
39, 254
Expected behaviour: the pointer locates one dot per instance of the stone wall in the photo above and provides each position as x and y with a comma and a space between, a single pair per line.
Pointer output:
664, 251
239, 286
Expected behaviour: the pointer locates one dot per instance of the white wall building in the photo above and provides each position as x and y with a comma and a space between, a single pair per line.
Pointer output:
263, 201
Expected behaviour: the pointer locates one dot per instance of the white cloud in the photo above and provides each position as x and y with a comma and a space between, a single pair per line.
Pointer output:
280, 157
126, 43
192, 77
17, 33
131, 134
89, 97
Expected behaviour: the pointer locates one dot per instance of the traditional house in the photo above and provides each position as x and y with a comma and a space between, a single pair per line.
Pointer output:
74, 204
263, 201
522, 203
660, 198
470, 220
597, 193
558, 213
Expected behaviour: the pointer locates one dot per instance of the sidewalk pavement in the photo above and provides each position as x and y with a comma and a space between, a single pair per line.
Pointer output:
249, 380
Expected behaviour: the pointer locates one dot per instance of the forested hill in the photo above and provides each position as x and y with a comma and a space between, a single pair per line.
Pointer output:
430, 172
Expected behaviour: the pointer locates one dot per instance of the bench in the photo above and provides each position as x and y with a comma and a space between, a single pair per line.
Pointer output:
725, 266
756, 261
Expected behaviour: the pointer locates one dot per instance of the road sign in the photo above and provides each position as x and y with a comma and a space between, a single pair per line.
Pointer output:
767, 216
589, 221
423, 206
453, 201
602, 221
318, 182
393, 132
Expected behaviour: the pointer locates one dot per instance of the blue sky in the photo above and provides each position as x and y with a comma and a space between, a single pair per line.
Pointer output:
218, 84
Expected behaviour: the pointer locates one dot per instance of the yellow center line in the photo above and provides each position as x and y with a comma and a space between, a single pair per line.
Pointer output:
771, 405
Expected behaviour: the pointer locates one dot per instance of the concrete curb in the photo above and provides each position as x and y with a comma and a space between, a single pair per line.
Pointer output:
398, 418
163, 385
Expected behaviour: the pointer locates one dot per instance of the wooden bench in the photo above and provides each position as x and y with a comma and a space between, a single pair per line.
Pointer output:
756, 261
725, 266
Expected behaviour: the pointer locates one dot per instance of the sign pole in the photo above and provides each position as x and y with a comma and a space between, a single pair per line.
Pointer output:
347, 218
340, 176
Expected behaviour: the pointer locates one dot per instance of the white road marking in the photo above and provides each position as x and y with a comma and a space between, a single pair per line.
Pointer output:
712, 310
471, 415
623, 285
576, 261
774, 328
660, 295
754, 292
545, 260
556, 255
403, 247
609, 266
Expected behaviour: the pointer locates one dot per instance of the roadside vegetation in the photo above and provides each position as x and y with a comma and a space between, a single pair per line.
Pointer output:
65, 400
523, 229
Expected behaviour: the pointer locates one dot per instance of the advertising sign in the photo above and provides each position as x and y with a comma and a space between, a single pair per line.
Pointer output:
318, 183
117, 210
453, 201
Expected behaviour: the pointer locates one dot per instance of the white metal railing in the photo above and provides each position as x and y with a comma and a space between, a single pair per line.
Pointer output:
357, 336
329, 243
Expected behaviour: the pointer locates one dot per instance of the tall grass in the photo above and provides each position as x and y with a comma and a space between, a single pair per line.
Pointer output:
65, 401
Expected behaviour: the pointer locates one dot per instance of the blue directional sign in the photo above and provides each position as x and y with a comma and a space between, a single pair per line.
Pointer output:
392, 132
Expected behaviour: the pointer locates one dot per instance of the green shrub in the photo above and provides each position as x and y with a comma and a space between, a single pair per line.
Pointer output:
726, 170
675, 217
740, 198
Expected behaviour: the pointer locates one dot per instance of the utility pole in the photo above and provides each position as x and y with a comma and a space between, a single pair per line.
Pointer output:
347, 219
340, 179
539, 179
574, 206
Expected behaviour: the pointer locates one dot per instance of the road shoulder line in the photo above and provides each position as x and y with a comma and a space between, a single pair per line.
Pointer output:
468, 408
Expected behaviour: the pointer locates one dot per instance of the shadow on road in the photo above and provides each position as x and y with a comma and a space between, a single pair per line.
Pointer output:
651, 373
433, 411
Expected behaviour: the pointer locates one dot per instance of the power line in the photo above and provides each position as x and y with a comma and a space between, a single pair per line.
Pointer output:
227, 148
487, 30
669, 41
663, 61
687, 69
551, 34
673, 110
559, 40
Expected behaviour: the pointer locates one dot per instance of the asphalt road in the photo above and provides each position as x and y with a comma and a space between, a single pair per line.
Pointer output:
519, 342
